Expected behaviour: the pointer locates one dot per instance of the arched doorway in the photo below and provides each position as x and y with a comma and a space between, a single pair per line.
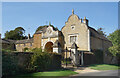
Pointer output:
49, 47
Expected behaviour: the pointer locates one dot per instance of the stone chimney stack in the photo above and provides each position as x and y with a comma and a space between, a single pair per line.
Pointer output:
85, 21
29, 36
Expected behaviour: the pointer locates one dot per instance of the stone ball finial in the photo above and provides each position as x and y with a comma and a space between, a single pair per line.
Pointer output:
72, 11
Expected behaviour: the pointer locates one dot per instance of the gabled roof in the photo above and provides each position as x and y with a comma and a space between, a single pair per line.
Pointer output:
43, 30
8, 41
92, 30
24, 41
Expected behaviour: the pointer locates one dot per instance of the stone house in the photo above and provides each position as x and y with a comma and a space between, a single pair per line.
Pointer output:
21, 44
76, 35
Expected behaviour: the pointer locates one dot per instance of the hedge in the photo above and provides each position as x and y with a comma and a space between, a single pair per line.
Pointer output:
25, 62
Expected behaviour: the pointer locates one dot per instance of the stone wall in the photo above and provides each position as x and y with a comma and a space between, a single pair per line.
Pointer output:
20, 62
37, 40
20, 47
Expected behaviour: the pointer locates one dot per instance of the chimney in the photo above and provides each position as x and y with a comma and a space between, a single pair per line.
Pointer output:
81, 20
29, 36
85, 21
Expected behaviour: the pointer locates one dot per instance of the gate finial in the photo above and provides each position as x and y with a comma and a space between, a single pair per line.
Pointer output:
72, 11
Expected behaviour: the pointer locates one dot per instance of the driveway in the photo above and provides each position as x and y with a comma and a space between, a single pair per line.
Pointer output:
85, 72
91, 72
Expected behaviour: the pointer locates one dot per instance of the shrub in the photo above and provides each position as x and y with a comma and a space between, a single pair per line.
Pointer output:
25, 49
45, 61
9, 64
24, 62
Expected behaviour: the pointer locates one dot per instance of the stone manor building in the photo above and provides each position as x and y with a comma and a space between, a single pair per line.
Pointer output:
76, 35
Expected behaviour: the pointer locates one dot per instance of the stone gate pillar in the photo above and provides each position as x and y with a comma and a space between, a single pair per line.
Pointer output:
57, 47
75, 55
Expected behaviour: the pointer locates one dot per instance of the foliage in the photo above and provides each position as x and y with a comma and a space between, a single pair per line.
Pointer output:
100, 31
33, 50
9, 64
6, 50
36, 50
25, 49
35, 61
44, 61
115, 39
16, 34
40, 27
115, 50
103, 67
64, 61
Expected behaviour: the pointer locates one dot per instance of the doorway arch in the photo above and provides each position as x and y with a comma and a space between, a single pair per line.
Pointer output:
49, 47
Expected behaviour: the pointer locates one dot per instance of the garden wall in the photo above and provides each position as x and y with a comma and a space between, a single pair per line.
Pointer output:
94, 57
21, 62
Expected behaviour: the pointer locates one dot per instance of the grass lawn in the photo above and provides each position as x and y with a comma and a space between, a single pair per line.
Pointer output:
51, 73
104, 67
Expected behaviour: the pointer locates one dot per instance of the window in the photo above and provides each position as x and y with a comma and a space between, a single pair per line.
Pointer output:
73, 39
72, 26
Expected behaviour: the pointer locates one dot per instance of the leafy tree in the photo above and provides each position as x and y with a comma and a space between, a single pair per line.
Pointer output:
100, 31
16, 34
115, 38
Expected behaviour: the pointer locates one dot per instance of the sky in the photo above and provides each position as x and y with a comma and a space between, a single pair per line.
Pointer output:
31, 15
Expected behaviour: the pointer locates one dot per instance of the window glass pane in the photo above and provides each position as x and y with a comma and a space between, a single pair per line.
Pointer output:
73, 39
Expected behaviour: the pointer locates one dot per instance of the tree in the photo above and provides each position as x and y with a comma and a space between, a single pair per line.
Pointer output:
16, 34
100, 31
115, 38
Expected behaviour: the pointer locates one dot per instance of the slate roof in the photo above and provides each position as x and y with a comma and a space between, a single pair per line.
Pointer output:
43, 30
92, 30
8, 41
24, 41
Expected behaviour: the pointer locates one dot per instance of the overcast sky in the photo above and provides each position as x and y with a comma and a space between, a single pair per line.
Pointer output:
31, 15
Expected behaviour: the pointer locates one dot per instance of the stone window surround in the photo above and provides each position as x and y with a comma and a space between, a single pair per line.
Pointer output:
75, 34
73, 26
73, 39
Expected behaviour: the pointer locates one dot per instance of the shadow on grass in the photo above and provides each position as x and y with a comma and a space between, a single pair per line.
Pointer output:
46, 74
34, 77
